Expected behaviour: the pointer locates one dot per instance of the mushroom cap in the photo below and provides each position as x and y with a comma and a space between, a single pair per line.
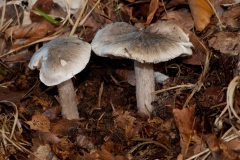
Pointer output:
60, 59
161, 42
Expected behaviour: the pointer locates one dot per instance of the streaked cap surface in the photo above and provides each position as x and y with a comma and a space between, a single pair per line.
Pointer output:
158, 43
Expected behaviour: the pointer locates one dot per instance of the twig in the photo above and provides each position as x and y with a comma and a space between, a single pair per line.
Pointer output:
85, 18
100, 95
165, 9
147, 141
221, 26
188, 86
78, 19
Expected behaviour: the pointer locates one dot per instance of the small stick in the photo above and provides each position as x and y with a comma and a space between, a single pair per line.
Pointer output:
78, 19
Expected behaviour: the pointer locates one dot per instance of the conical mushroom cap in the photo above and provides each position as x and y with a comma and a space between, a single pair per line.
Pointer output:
61, 59
161, 42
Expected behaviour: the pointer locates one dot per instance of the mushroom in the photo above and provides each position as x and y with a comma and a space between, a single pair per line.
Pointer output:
161, 42
58, 61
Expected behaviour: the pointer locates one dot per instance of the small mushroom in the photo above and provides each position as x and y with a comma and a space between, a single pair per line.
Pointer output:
58, 61
161, 42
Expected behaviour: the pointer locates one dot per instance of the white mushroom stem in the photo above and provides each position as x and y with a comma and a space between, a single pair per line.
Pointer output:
67, 98
145, 85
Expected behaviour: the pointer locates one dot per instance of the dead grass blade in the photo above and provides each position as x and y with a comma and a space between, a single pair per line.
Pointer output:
3, 13
78, 19
231, 133
230, 96
8, 137
203, 75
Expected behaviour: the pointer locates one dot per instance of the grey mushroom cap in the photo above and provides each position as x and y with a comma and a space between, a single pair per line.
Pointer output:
161, 42
61, 59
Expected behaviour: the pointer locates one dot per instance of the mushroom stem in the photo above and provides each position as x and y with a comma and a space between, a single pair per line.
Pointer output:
145, 85
67, 100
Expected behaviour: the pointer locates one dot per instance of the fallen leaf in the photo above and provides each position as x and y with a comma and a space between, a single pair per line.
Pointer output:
128, 123
152, 10
125, 75
40, 151
52, 113
226, 42
185, 122
234, 145
84, 142
213, 96
48, 137
231, 17
45, 6
21, 56
201, 12
10, 95
174, 3
219, 149
63, 154
183, 16
30, 33
40, 123
112, 147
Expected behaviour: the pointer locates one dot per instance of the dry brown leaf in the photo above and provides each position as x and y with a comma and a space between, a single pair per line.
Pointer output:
219, 149
152, 10
185, 121
22, 56
128, 123
174, 3
35, 31
52, 112
84, 142
234, 145
213, 96
231, 17
62, 125
155, 121
126, 75
197, 145
63, 154
40, 123
112, 147
132, 18
226, 42
47, 137
10, 95
183, 16
201, 12
89, 156
57, 11
40, 150
43, 5
104, 155
28, 34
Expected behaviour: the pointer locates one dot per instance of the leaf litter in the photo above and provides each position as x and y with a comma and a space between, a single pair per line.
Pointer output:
196, 111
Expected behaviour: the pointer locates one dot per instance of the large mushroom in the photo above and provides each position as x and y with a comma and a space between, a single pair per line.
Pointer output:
161, 42
58, 61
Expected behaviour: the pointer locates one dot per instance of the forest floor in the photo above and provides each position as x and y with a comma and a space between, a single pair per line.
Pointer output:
196, 111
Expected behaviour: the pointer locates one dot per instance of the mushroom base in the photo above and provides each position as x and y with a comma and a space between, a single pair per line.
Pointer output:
145, 85
67, 100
